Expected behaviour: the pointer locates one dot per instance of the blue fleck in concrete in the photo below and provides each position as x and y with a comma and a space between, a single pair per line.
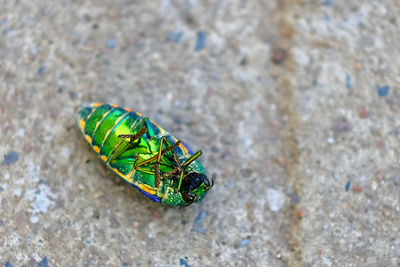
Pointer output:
244, 243
383, 90
201, 41
10, 158
175, 37
6, 31
348, 185
198, 223
43, 263
183, 262
111, 43
348, 81
8, 264
41, 70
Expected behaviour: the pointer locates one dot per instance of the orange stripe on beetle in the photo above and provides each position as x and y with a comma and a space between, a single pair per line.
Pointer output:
82, 124
125, 177
184, 149
97, 104
147, 189
88, 138
156, 125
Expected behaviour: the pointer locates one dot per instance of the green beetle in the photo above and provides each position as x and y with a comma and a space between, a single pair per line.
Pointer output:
144, 155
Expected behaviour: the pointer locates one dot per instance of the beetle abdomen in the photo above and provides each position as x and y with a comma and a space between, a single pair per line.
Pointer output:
102, 123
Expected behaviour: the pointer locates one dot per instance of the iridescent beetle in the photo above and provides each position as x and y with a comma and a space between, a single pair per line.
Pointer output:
144, 155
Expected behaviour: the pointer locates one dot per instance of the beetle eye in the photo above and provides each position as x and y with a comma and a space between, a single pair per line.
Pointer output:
188, 197
206, 182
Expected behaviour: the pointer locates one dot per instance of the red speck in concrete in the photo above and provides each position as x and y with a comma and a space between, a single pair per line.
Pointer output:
357, 189
362, 113
381, 143
279, 56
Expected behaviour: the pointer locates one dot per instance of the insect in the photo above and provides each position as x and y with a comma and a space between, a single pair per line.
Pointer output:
144, 155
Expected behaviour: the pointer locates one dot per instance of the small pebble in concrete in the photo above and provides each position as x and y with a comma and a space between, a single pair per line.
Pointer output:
115, 223
348, 185
73, 94
8, 264
244, 243
198, 222
43, 263
362, 113
111, 43
357, 189
125, 264
276, 199
381, 143
31, 262
41, 70
330, 140
175, 37
299, 213
348, 81
243, 61
383, 90
183, 262
10, 158
279, 56
340, 125
201, 41
6, 31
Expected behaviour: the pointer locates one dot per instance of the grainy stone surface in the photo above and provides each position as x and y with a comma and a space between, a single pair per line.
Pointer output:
293, 103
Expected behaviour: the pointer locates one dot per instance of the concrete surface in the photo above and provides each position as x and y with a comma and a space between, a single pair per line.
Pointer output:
294, 103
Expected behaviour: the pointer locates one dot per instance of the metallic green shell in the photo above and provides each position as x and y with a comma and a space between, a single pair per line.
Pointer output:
101, 125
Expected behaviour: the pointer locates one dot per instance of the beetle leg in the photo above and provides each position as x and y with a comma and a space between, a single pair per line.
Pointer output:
145, 128
172, 147
157, 158
192, 158
133, 137
157, 164
185, 165
180, 183
177, 169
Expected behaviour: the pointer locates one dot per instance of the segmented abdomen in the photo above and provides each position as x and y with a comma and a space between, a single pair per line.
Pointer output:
102, 123
99, 124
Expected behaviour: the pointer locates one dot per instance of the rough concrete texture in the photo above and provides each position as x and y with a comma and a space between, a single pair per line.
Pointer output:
294, 104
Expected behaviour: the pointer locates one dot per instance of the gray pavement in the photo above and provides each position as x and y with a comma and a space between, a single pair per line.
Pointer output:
294, 104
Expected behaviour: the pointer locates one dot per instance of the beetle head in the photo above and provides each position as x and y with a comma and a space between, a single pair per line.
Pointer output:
194, 187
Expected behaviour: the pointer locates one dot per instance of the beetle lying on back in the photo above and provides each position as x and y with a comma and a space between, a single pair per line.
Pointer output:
144, 155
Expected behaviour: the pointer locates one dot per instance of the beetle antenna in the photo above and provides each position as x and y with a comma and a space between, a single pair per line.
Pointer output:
212, 182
